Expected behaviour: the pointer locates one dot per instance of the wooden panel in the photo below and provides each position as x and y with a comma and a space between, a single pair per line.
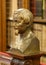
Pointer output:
0, 25
36, 61
39, 21
3, 25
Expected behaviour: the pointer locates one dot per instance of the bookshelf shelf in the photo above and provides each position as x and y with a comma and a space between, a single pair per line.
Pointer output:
35, 20
39, 20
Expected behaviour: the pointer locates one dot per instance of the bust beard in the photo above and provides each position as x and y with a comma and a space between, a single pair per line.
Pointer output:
22, 31
21, 36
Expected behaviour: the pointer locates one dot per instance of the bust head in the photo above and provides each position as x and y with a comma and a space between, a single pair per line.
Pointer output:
23, 18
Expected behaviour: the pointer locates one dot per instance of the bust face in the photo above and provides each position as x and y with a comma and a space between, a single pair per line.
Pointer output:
20, 25
22, 19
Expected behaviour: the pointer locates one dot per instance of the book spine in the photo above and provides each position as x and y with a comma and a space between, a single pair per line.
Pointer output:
8, 8
20, 3
44, 9
39, 8
36, 7
33, 6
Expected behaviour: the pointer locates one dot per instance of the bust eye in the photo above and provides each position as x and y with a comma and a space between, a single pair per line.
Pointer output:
27, 23
15, 20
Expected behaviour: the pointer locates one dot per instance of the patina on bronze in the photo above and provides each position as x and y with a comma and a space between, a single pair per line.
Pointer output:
24, 41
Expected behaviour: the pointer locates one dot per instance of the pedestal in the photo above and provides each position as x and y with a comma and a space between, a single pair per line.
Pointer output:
21, 60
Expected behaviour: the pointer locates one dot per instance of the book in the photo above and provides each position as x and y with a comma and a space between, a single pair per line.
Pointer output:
20, 3
5, 58
39, 8
44, 9
36, 8
33, 7
11, 6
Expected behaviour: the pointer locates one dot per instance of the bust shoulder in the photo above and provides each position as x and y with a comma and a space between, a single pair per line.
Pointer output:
28, 40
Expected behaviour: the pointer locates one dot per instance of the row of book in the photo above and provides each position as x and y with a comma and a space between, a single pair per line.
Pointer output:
5, 59
40, 32
11, 6
38, 8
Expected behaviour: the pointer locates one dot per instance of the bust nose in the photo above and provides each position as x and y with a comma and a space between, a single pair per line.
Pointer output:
19, 23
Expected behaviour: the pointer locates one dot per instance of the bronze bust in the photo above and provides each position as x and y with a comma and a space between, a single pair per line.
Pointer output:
24, 40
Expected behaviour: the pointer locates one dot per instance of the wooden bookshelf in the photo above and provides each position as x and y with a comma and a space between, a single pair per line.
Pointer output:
39, 20
3, 21
34, 21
